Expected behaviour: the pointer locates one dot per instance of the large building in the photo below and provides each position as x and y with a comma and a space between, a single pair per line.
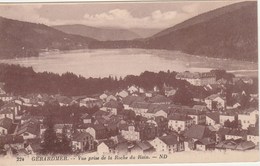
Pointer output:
197, 79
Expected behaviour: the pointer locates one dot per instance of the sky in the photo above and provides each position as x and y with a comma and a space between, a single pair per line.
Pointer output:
112, 14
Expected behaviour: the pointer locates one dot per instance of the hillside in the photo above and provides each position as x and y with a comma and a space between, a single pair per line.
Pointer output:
20, 39
102, 34
228, 32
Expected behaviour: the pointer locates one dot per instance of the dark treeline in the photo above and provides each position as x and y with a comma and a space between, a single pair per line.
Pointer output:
24, 80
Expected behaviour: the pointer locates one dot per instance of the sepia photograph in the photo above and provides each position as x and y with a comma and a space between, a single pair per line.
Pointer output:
146, 82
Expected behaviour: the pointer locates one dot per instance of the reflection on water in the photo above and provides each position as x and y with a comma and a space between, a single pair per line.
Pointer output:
122, 62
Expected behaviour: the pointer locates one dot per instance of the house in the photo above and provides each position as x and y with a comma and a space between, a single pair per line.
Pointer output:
160, 99
64, 101
90, 102
29, 130
168, 144
82, 141
198, 117
253, 135
140, 108
129, 100
236, 134
247, 80
103, 96
111, 98
212, 118
142, 148
13, 141
133, 89
238, 144
155, 110
89, 128
201, 108
215, 102
227, 116
130, 132
248, 117
205, 144
198, 135
178, 122
6, 97
60, 127
122, 94
86, 118
7, 113
5, 126
106, 147
221, 134
13, 106
197, 79
100, 131
112, 106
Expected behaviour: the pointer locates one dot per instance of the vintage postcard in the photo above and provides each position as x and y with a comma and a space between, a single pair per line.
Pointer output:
129, 82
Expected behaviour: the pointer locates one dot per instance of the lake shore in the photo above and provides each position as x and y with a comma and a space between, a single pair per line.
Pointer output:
122, 62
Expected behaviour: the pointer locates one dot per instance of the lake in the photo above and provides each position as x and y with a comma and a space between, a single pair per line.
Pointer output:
122, 62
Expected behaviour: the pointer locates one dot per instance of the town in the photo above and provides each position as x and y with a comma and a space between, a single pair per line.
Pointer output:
218, 113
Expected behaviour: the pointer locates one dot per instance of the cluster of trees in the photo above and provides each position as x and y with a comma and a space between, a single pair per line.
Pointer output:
232, 124
52, 143
24, 80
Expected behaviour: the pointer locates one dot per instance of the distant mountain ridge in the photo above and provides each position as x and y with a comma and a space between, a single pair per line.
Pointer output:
102, 34
21, 39
229, 32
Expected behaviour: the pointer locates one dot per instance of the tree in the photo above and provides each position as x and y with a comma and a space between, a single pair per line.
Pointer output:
50, 140
86, 147
183, 96
65, 143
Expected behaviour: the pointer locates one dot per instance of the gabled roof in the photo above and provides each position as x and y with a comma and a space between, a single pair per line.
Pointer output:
112, 104
6, 123
30, 127
213, 96
214, 116
247, 111
144, 145
187, 111
109, 143
197, 132
206, 141
238, 144
159, 99
170, 139
128, 100
80, 137
245, 145
200, 107
179, 117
